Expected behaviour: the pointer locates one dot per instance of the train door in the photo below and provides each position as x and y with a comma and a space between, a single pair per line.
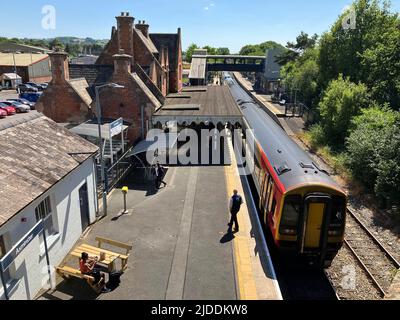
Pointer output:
315, 216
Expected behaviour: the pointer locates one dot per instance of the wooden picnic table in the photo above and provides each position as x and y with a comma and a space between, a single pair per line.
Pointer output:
109, 259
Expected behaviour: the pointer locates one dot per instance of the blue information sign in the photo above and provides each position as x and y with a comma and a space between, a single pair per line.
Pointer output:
9, 258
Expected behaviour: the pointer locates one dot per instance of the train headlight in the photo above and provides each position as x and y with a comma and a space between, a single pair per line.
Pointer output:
334, 233
290, 232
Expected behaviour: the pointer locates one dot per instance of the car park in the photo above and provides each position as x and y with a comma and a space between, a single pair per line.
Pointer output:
19, 107
25, 102
3, 113
22, 88
39, 86
30, 96
10, 110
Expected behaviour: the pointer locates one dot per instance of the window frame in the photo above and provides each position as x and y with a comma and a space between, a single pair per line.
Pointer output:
291, 199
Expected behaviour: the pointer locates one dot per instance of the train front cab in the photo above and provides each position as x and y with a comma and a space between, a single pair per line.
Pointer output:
311, 223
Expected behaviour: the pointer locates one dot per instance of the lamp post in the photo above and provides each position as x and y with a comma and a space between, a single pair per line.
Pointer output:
98, 111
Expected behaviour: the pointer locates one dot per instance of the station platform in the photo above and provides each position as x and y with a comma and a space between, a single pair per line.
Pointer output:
182, 249
263, 99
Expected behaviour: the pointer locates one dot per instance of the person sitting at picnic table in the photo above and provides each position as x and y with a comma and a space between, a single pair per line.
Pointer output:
87, 266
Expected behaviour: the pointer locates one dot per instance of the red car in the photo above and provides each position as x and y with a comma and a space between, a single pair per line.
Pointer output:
3, 113
10, 110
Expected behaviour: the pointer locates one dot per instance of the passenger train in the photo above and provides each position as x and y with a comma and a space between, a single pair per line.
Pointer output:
300, 204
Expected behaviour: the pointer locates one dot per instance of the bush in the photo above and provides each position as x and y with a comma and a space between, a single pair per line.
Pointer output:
373, 152
316, 136
341, 101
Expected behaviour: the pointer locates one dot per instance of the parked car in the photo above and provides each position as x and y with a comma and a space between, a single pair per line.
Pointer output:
19, 107
22, 88
25, 102
30, 96
3, 113
10, 110
38, 86
44, 85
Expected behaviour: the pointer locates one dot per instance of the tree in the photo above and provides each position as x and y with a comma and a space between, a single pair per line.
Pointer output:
303, 75
223, 51
190, 50
56, 44
369, 53
258, 49
296, 49
341, 101
373, 154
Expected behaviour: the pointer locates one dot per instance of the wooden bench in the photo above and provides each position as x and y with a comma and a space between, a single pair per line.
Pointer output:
118, 244
65, 272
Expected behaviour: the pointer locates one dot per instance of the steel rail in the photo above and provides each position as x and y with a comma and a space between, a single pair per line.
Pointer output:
380, 245
376, 283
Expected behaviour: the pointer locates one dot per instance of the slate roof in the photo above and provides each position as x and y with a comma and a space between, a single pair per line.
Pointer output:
157, 104
36, 153
146, 41
81, 87
91, 72
169, 40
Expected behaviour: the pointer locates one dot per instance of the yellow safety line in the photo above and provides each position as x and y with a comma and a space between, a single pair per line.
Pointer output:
244, 271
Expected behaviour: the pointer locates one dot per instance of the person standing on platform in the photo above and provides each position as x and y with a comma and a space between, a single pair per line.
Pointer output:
234, 207
160, 171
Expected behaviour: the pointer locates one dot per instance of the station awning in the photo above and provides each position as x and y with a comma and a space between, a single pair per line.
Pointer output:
92, 130
157, 144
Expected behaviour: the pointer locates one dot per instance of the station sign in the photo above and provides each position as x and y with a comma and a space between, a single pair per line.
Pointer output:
116, 127
9, 258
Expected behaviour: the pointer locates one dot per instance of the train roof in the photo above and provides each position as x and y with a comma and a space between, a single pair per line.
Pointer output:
293, 166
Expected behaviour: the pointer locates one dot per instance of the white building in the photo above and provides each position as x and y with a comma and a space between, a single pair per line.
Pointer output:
47, 179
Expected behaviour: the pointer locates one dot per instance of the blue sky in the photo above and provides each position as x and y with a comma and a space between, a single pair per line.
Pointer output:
219, 23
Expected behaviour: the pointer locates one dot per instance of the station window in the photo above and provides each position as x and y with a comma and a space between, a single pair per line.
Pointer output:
44, 212
290, 215
257, 169
268, 194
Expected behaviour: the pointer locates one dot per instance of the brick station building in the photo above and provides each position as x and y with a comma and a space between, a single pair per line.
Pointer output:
149, 66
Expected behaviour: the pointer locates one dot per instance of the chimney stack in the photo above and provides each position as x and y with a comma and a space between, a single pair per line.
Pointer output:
122, 64
59, 67
125, 33
143, 27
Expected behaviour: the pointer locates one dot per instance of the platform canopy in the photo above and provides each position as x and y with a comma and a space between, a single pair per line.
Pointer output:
155, 143
92, 130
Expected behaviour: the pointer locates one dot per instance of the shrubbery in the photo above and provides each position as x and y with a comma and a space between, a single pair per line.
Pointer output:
373, 152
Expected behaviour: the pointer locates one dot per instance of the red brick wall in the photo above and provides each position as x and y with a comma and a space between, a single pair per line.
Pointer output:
61, 103
126, 102
111, 48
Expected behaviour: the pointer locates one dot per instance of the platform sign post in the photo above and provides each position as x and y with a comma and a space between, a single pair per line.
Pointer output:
116, 128
9, 258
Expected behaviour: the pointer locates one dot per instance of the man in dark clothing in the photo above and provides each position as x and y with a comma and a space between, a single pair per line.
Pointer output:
159, 175
234, 207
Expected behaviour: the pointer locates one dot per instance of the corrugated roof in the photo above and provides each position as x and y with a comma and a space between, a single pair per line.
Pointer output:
21, 59
214, 101
34, 156
198, 68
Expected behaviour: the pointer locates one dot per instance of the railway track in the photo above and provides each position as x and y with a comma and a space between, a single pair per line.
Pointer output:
371, 255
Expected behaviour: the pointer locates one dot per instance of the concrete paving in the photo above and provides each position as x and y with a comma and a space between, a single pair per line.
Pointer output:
176, 235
